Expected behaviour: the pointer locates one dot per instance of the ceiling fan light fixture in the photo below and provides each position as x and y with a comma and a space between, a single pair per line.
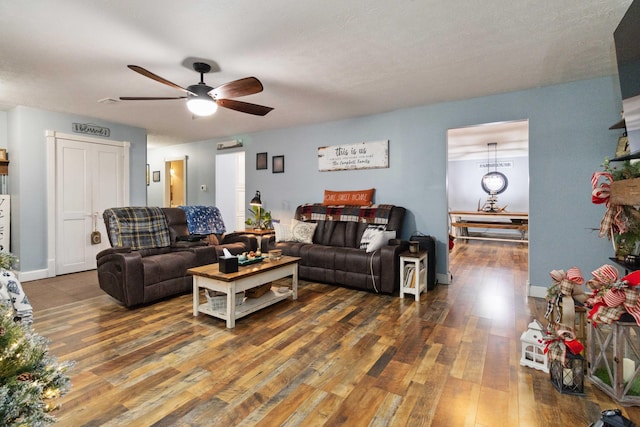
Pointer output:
202, 106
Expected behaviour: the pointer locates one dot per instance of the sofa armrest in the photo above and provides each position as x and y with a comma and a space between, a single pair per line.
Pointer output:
390, 259
121, 275
116, 250
250, 242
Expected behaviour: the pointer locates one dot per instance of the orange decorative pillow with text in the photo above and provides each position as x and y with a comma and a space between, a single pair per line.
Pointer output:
358, 197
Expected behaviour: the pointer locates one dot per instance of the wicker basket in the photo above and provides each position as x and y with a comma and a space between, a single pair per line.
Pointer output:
218, 301
626, 192
258, 291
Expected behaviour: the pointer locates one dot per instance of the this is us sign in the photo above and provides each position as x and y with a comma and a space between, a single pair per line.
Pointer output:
364, 155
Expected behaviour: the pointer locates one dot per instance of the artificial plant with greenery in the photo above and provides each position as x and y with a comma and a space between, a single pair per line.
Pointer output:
627, 242
261, 218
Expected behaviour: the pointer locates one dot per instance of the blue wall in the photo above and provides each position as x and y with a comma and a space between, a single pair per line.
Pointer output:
568, 140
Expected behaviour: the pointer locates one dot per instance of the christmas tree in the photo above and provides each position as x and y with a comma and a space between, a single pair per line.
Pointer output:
30, 379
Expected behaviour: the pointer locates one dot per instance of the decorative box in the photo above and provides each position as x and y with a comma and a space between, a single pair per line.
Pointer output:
625, 192
228, 264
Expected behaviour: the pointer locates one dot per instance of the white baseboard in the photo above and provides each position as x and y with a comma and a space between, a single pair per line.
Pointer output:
444, 279
27, 276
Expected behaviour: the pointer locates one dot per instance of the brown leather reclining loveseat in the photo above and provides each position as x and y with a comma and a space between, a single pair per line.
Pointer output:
335, 255
151, 252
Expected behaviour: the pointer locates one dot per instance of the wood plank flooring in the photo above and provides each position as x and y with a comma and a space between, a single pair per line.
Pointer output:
334, 357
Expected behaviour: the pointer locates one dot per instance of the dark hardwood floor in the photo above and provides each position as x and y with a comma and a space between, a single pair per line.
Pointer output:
333, 357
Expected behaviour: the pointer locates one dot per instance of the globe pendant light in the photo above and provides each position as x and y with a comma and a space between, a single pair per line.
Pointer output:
494, 182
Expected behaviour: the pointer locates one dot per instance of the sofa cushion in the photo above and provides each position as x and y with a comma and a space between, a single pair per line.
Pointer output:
370, 232
283, 232
302, 231
158, 268
380, 238
374, 237
137, 227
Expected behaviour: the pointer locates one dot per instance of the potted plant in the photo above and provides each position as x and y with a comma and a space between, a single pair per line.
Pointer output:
261, 218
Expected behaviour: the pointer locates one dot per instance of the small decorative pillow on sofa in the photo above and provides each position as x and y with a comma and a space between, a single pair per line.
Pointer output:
354, 198
283, 232
302, 231
380, 239
374, 237
297, 231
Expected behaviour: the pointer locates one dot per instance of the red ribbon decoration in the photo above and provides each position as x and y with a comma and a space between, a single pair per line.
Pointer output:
600, 192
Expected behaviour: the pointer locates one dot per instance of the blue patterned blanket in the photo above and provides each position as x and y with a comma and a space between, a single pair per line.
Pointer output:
137, 227
204, 220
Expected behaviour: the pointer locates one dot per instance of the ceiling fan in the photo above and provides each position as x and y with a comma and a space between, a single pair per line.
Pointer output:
203, 100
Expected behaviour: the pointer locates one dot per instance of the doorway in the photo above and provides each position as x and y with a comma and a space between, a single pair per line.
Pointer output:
85, 176
175, 183
230, 189
485, 150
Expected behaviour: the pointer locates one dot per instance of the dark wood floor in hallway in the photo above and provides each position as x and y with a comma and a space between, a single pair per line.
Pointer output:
334, 357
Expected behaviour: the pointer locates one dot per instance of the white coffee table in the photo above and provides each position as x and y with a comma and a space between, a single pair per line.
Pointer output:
247, 277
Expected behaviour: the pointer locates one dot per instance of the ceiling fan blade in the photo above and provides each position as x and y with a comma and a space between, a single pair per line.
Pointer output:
244, 107
148, 98
157, 78
236, 88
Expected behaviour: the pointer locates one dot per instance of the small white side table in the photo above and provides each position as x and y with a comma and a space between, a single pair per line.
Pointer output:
413, 273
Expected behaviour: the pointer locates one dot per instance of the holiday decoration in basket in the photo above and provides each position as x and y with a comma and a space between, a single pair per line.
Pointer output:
619, 190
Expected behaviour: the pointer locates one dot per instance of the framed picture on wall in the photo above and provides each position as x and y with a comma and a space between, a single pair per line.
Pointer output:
156, 176
277, 164
261, 161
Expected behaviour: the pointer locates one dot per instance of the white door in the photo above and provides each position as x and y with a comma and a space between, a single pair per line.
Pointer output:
89, 179
230, 189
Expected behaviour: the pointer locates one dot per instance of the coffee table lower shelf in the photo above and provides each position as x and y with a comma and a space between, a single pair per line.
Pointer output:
250, 305
247, 277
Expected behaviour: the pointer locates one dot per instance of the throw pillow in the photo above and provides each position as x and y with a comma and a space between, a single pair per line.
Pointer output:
380, 239
357, 197
283, 232
302, 231
368, 234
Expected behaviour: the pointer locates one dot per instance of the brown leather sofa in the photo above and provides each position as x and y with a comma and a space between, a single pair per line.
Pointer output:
335, 256
152, 251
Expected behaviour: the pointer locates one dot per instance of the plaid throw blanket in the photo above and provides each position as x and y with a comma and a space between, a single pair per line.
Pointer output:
138, 227
374, 214
204, 220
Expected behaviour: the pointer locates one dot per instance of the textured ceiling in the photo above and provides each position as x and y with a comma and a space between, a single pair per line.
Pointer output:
318, 60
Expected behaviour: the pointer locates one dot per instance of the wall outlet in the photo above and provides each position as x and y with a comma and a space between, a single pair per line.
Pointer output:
203, 187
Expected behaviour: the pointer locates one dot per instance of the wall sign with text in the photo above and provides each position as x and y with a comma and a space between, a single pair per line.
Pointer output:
364, 155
